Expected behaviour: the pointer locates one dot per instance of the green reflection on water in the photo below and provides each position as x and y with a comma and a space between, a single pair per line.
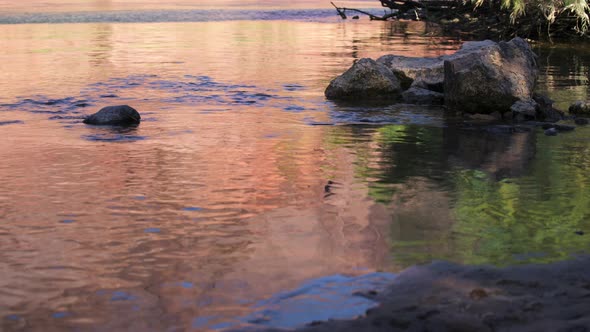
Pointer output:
479, 197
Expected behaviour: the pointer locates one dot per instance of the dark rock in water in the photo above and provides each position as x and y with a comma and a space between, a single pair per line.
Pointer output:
491, 78
366, 79
120, 115
545, 109
524, 110
579, 232
551, 132
580, 107
355, 17
557, 126
581, 121
562, 127
415, 95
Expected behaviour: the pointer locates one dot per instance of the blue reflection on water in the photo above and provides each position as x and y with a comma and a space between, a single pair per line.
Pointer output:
331, 297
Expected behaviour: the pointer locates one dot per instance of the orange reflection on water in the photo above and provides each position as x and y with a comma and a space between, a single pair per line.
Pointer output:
218, 194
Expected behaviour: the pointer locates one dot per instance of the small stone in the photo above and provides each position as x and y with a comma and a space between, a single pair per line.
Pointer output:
478, 294
551, 132
579, 232
356, 17
580, 107
581, 121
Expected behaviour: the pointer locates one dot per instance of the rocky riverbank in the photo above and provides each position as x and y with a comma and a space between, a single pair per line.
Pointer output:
449, 297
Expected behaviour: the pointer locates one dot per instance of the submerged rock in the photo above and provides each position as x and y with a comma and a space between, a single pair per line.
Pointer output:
421, 96
120, 115
581, 121
580, 107
366, 79
551, 132
491, 78
545, 109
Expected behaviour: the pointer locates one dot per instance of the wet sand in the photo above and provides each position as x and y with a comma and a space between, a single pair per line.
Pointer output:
448, 297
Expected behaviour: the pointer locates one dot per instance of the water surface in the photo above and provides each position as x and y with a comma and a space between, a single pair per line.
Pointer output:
221, 198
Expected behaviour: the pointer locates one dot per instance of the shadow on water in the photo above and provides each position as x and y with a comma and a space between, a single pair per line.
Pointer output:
114, 134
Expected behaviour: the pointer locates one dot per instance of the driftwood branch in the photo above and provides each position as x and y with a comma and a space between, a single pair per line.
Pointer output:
342, 12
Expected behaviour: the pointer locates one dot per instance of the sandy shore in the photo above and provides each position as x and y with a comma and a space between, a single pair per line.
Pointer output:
448, 297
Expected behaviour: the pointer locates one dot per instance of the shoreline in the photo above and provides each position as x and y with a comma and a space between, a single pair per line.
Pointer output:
444, 296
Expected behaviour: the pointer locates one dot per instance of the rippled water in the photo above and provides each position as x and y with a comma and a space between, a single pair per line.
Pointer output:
221, 198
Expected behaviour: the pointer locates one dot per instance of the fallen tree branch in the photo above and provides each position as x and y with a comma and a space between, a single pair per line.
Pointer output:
342, 13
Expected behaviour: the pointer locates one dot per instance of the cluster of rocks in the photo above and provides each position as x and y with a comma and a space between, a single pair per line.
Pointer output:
483, 77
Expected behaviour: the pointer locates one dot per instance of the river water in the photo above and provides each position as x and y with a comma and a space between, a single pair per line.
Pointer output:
242, 182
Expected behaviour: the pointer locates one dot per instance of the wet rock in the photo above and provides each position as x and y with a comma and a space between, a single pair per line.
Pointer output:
481, 77
580, 107
120, 115
524, 110
581, 121
424, 72
545, 109
366, 79
551, 132
415, 95
427, 73
558, 127
491, 78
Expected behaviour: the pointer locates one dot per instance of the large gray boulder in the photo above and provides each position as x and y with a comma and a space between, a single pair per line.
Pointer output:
120, 115
427, 73
491, 78
421, 72
366, 79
